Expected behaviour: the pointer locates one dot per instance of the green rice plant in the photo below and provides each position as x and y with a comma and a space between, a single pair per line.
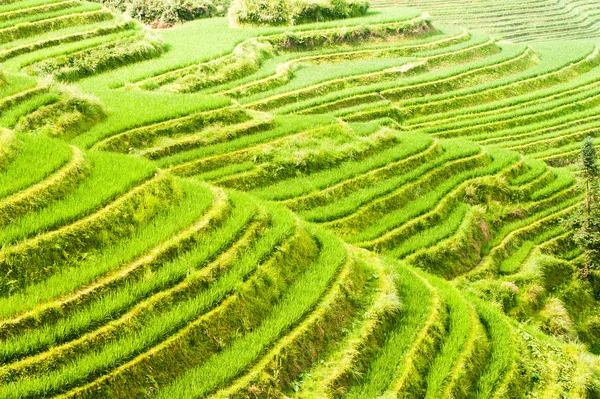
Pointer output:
284, 127
455, 369
166, 236
318, 151
134, 304
222, 296
74, 320
41, 194
40, 16
432, 235
402, 361
352, 203
505, 354
29, 29
537, 79
116, 220
404, 204
351, 357
37, 158
317, 188
17, 50
46, 8
72, 115
145, 136
287, 313
96, 59
104, 184
210, 136
319, 331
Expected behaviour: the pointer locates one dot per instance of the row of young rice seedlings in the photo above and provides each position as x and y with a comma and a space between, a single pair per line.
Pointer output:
326, 149
441, 72
554, 139
481, 92
530, 171
551, 70
314, 183
523, 60
284, 66
158, 233
31, 58
105, 56
504, 348
501, 246
282, 96
129, 304
518, 118
334, 369
38, 16
422, 308
463, 354
400, 196
14, 6
57, 248
359, 200
25, 104
71, 324
38, 158
221, 38
111, 176
173, 319
302, 296
554, 94
267, 77
354, 60
31, 29
284, 127
362, 286
151, 135
432, 235
426, 203
261, 290
563, 128
60, 38
24, 10
584, 118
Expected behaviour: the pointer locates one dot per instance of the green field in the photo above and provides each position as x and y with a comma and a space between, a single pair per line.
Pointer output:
365, 208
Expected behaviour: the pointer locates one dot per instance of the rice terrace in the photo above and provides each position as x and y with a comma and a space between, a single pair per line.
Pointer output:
299, 199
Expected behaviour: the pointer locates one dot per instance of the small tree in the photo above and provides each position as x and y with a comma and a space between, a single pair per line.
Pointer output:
587, 220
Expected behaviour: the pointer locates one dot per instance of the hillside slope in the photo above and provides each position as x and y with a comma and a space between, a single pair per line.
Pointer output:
369, 208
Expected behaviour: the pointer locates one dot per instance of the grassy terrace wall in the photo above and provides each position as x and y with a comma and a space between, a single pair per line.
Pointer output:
366, 208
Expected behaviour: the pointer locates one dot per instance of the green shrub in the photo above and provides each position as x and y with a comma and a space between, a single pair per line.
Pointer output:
285, 12
555, 319
166, 13
553, 271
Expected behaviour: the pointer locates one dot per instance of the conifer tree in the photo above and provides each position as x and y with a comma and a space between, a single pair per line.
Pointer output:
587, 220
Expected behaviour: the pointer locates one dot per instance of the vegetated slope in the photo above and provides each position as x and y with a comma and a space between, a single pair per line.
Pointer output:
519, 21
133, 265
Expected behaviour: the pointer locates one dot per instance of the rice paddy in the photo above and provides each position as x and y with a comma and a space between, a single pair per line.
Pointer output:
364, 208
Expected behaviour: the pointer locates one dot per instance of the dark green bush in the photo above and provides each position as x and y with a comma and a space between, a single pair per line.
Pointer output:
170, 12
164, 13
554, 272
292, 12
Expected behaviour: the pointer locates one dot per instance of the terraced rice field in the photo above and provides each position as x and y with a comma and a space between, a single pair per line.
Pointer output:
357, 208
514, 20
